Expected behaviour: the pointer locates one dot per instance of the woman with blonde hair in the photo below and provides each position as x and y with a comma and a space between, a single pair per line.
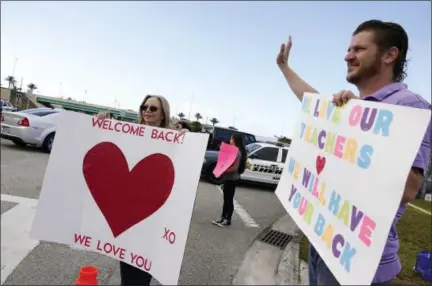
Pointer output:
153, 111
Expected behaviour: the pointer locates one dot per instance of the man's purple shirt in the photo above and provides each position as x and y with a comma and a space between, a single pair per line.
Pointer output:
398, 94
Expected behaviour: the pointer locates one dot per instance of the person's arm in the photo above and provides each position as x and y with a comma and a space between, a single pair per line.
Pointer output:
421, 163
234, 167
413, 185
295, 82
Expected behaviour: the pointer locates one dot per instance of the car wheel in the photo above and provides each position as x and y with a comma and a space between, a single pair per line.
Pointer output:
19, 143
48, 143
211, 178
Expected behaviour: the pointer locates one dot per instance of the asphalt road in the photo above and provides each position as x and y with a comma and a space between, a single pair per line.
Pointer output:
213, 255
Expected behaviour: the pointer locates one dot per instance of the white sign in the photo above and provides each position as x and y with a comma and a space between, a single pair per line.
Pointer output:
345, 176
121, 189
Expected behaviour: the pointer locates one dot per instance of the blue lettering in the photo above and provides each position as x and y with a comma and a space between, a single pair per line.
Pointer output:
347, 255
302, 129
364, 159
319, 225
334, 202
296, 201
383, 121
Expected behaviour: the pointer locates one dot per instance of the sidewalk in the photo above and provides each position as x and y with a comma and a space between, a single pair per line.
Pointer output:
265, 264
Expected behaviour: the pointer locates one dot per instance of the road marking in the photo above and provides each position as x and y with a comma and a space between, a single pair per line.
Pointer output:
16, 243
420, 209
246, 218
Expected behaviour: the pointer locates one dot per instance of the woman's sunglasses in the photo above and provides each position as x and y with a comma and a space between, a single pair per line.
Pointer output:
150, 108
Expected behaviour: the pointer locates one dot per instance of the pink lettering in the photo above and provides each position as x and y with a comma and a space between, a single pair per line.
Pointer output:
117, 126
338, 149
368, 225
169, 235
141, 262
83, 239
355, 115
111, 249
97, 121
168, 136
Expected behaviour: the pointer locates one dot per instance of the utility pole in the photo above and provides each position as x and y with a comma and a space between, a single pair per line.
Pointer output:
190, 106
13, 71
60, 89
85, 96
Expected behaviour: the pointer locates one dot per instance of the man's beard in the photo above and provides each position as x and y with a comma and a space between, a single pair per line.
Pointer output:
365, 73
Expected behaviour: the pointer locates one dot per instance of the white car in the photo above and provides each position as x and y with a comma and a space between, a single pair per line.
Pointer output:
35, 126
265, 162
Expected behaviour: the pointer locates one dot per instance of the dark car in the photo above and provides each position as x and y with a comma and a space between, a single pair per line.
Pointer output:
220, 134
209, 164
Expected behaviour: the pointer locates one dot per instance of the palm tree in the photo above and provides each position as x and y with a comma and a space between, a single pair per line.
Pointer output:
214, 121
181, 115
32, 86
12, 81
198, 116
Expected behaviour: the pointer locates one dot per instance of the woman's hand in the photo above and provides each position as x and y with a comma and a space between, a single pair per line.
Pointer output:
183, 131
103, 115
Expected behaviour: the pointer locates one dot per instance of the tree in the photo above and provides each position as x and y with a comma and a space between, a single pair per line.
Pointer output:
196, 126
283, 139
198, 116
214, 121
32, 86
11, 80
181, 115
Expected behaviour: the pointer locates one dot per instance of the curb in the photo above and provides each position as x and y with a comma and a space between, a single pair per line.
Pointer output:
291, 270
265, 264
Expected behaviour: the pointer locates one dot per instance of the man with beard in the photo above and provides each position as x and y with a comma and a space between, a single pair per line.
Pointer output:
376, 60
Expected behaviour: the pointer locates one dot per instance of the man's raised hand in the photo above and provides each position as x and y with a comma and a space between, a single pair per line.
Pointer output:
282, 57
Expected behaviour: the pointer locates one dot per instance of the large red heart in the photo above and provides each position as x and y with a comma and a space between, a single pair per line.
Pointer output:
320, 164
126, 198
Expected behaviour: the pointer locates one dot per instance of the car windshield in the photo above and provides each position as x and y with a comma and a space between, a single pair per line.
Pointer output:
252, 147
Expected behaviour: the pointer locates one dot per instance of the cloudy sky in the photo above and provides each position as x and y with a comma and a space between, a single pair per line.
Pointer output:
216, 57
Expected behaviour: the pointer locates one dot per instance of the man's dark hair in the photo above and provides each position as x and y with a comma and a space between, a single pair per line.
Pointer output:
388, 35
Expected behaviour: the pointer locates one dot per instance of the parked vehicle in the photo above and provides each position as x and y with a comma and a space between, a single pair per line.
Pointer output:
220, 134
35, 126
264, 164
7, 106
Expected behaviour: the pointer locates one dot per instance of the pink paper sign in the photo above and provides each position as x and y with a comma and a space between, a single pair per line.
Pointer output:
227, 156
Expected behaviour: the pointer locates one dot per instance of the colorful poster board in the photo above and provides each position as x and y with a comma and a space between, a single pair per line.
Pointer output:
121, 189
345, 176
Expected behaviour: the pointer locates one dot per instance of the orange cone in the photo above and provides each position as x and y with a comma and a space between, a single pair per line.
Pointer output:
87, 276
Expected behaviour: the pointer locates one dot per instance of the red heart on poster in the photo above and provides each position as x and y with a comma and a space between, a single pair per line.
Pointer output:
126, 198
320, 164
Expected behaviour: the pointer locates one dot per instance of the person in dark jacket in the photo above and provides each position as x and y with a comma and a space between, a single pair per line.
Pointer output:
231, 178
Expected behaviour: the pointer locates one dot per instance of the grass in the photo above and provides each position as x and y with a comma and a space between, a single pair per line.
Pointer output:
415, 235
